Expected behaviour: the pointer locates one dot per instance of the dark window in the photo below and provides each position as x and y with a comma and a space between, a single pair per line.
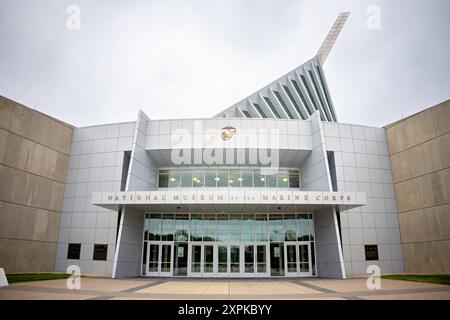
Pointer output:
73, 252
326, 92
293, 101
286, 109
309, 91
300, 94
163, 181
272, 107
371, 252
246, 114
100, 251
258, 108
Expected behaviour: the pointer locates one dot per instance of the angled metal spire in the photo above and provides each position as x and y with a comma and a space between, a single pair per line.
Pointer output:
333, 34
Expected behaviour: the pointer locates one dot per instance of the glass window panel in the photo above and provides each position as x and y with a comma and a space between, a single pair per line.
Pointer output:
222, 222
223, 259
155, 227
302, 227
235, 223
167, 227
247, 227
311, 227
249, 257
233, 178
276, 227
271, 181
294, 179
259, 180
289, 227
198, 178
291, 258
163, 181
247, 178
174, 178
208, 252
165, 257
261, 258
153, 259
283, 179
222, 178
260, 225
186, 178
196, 227
234, 259
210, 178
209, 227
181, 227
196, 258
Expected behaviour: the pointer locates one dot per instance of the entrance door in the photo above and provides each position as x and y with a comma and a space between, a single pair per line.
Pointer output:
222, 260
235, 260
262, 257
159, 259
249, 260
195, 260
208, 260
276, 259
304, 250
297, 259
180, 259
291, 257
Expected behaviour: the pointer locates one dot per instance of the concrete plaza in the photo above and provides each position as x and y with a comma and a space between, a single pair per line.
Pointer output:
259, 289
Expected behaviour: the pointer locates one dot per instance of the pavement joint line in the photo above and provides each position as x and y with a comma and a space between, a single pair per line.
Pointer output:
313, 287
144, 286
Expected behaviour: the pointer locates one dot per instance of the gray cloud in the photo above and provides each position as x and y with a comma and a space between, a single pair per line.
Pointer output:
187, 58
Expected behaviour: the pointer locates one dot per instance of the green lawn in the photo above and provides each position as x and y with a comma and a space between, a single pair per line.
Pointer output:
22, 277
432, 278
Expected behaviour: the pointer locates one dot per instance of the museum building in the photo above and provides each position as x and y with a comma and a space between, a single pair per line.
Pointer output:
273, 186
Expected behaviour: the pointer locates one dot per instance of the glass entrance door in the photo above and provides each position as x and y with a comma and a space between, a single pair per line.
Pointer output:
291, 260
201, 262
298, 259
249, 260
180, 259
235, 260
276, 259
222, 260
159, 259
304, 250
262, 257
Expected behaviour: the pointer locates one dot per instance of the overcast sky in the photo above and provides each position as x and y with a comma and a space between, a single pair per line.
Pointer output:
194, 58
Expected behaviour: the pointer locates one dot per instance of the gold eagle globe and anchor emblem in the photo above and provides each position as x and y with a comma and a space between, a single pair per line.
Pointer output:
228, 133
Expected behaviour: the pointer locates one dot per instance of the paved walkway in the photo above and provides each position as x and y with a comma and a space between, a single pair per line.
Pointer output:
175, 288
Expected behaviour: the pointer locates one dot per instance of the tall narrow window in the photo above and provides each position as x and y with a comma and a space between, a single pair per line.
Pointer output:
300, 94
326, 92
246, 114
286, 109
309, 91
288, 92
258, 108
319, 95
272, 107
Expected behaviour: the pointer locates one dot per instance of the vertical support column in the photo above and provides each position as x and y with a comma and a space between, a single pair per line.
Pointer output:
127, 260
141, 176
316, 177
